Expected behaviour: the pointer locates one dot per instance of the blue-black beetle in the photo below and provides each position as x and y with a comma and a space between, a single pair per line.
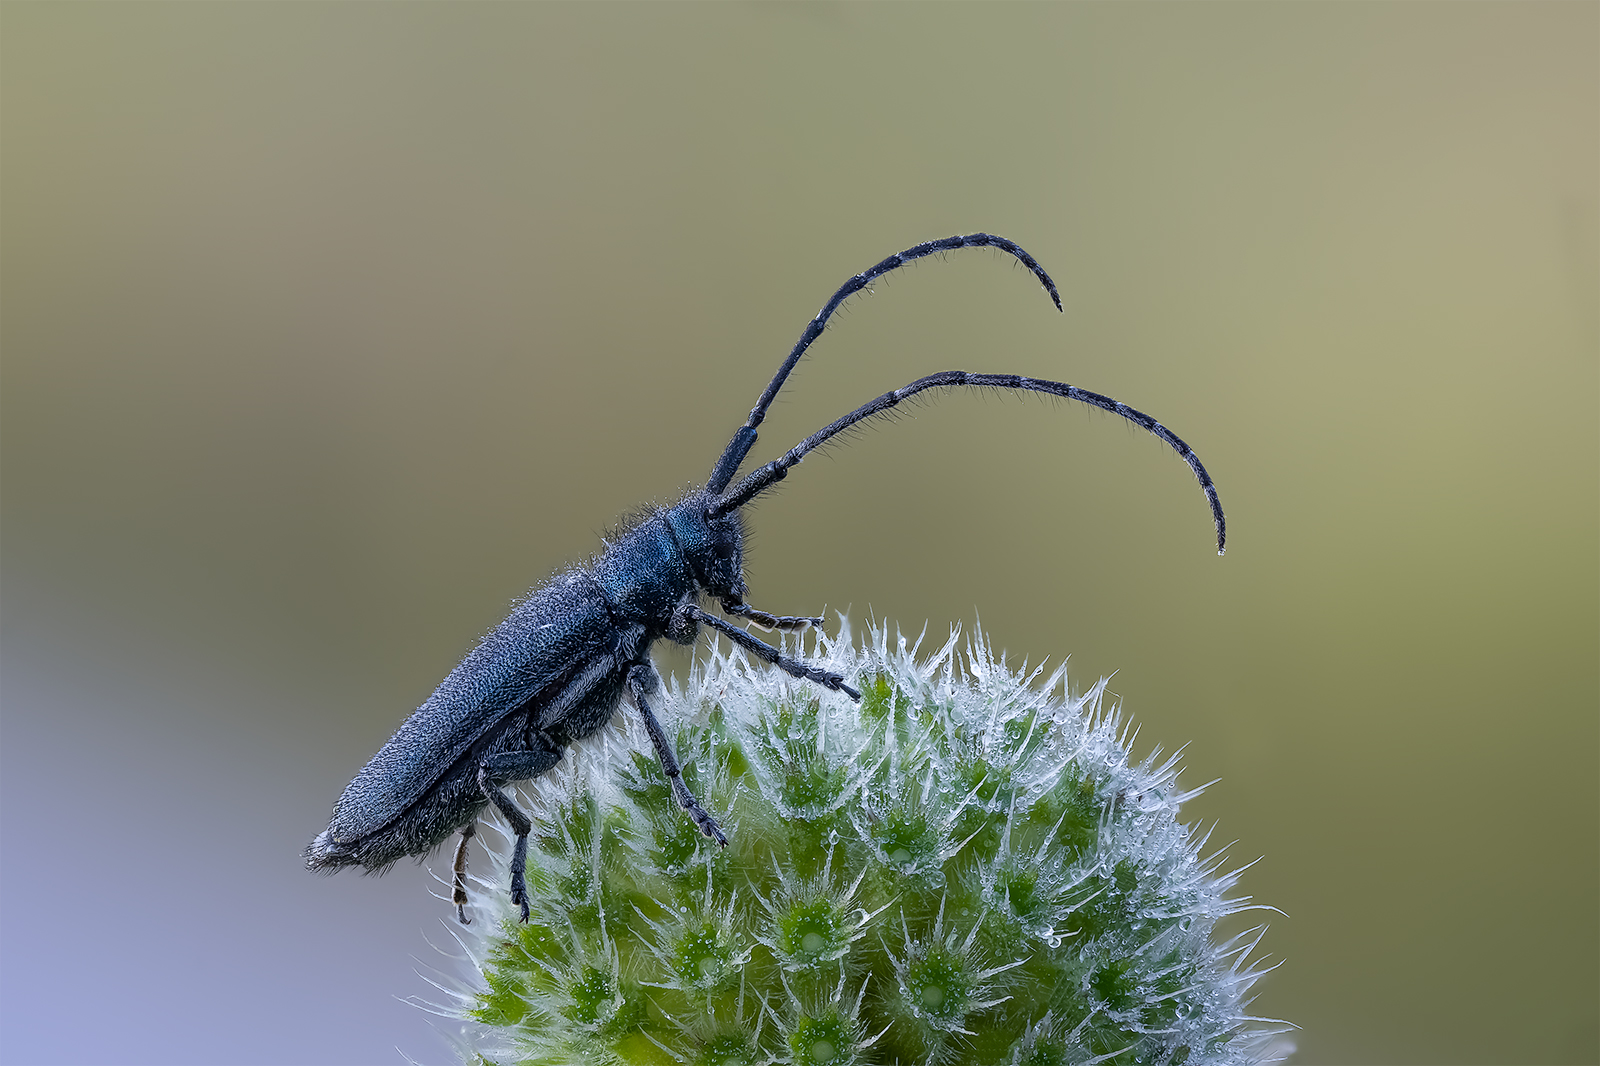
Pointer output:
556, 670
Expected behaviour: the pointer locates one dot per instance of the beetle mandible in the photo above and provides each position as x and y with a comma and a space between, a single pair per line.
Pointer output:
557, 669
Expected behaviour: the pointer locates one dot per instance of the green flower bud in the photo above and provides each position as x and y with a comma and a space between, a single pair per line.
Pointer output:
963, 868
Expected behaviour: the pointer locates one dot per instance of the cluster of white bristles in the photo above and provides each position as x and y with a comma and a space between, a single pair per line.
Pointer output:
962, 868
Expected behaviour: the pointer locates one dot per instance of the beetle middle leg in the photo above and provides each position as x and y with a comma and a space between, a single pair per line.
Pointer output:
643, 679
502, 769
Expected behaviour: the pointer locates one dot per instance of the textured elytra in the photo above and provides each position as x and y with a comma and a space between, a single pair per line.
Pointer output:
963, 868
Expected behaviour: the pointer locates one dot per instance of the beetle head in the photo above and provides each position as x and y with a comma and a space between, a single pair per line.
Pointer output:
712, 544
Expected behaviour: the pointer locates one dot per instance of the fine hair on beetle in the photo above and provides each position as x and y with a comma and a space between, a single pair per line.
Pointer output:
558, 668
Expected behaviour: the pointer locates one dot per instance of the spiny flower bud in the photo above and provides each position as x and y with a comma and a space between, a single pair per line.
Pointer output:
963, 868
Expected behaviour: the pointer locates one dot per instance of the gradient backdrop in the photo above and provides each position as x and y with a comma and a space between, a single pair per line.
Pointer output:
328, 329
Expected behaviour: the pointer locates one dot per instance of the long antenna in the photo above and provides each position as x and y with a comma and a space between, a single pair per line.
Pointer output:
763, 478
739, 446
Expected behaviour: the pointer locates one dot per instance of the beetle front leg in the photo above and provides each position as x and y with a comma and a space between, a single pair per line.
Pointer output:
502, 769
769, 621
767, 653
641, 680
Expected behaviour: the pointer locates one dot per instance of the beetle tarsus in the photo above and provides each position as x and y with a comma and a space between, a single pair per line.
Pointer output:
706, 823
519, 875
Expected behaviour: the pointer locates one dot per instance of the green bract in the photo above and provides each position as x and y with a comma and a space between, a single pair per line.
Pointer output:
963, 868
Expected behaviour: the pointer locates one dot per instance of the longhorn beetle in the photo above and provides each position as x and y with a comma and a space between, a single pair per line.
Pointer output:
557, 669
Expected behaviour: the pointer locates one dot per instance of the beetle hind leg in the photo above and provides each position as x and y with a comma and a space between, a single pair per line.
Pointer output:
458, 884
502, 769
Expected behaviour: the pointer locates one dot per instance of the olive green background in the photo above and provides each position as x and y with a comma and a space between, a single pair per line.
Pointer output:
328, 329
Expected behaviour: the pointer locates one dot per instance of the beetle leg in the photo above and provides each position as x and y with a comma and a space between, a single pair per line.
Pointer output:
458, 886
767, 653
503, 768
769, 621
683, 627
641, 679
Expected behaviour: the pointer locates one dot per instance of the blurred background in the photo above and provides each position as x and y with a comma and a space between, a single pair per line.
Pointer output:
329, 329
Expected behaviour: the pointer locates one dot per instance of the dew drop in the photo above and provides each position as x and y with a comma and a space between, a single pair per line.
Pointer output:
822, 1051
812, 942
